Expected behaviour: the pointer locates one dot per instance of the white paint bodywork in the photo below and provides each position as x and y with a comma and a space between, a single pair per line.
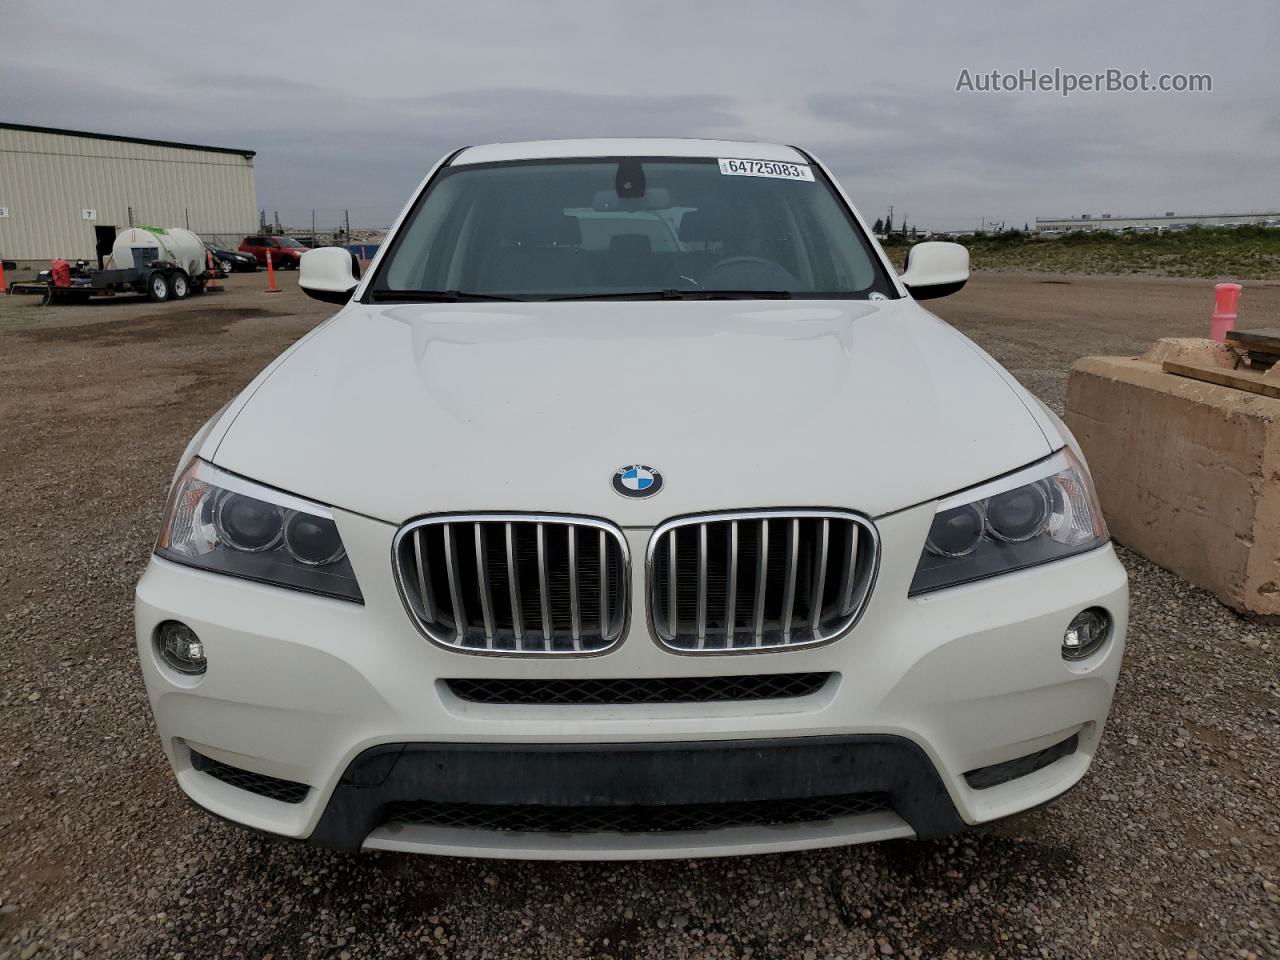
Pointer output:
389, 412
396, 411
933, 263
626, 147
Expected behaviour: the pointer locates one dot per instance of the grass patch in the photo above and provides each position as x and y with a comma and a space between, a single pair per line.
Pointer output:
1238, 253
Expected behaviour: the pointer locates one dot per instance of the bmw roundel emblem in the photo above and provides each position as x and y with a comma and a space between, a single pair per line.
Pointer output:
637, 481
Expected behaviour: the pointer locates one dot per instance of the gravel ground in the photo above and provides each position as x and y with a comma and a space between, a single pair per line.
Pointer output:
1170, 848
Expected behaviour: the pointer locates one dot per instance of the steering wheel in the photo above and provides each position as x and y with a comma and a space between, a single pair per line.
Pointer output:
755, 273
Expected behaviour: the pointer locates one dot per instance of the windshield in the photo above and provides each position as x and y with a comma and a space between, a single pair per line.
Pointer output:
631, 226
289, 242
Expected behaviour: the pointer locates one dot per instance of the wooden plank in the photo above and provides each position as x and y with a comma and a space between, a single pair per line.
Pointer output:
1263, 340
1249, 380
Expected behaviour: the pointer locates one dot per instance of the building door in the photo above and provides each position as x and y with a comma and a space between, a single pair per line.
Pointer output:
106, 238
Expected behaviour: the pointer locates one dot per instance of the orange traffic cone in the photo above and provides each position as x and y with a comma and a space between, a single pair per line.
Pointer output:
271, 276
1225, 298
3, 288
212, 284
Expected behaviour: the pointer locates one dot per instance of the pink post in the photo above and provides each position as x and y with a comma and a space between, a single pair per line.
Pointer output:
1225, 298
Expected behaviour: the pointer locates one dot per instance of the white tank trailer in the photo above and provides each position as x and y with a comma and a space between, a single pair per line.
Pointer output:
161, 263
139, 247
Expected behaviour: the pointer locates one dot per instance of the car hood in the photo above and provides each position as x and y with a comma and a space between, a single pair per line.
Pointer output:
397, 411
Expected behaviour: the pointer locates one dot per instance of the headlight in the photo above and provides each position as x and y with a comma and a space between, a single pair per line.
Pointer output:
224, 523
1042, 513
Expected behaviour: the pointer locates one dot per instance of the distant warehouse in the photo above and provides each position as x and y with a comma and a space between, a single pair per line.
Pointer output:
66, 193
1169, 220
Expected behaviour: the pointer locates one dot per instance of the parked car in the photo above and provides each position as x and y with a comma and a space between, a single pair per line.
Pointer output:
233, 261
285, 251
549, 549
365, 251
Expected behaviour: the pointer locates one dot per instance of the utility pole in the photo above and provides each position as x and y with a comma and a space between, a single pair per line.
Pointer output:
346, 215
313, 225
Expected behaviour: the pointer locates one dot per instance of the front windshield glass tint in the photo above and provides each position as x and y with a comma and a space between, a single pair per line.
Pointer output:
546, 229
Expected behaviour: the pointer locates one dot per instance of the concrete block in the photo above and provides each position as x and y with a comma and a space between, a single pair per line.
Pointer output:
1188, 474
1198, 351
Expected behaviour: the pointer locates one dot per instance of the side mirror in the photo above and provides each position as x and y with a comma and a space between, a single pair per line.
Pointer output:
329, 274
935, 269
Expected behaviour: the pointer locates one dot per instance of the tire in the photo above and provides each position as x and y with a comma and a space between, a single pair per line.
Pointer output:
179, 285
158, 289
227, 267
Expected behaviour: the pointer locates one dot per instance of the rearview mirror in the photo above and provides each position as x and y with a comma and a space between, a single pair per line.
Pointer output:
655, 198
935, 269
330, 274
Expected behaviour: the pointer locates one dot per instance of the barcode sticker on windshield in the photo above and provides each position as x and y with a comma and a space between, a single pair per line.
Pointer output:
766, 168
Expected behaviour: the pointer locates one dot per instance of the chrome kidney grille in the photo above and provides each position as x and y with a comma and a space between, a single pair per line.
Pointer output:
520, 584
759, 580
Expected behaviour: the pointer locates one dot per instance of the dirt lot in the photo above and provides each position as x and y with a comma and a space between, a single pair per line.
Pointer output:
1171, 847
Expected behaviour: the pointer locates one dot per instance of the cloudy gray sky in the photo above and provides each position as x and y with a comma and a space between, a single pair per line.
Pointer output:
348, 103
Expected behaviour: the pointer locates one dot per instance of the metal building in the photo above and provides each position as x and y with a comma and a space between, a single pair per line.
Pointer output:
65, 193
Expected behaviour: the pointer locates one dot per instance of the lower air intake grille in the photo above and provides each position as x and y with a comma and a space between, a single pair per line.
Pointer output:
649, 819
762, 580
775, 686
523, 584
286, 791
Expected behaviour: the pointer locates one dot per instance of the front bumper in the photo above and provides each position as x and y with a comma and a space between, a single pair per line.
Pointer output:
300, 688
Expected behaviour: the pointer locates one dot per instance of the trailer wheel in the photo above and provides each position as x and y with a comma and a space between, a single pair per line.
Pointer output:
179, 284
157, 287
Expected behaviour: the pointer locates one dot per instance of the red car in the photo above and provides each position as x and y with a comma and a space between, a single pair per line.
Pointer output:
285, 251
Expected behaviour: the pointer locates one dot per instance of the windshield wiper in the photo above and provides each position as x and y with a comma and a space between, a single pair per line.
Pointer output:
435, 296
683, 295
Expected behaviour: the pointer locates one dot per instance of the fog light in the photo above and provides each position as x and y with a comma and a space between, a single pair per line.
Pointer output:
180, 648
1087, 631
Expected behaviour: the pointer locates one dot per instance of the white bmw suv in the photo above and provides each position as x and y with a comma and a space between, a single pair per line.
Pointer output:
630, 506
